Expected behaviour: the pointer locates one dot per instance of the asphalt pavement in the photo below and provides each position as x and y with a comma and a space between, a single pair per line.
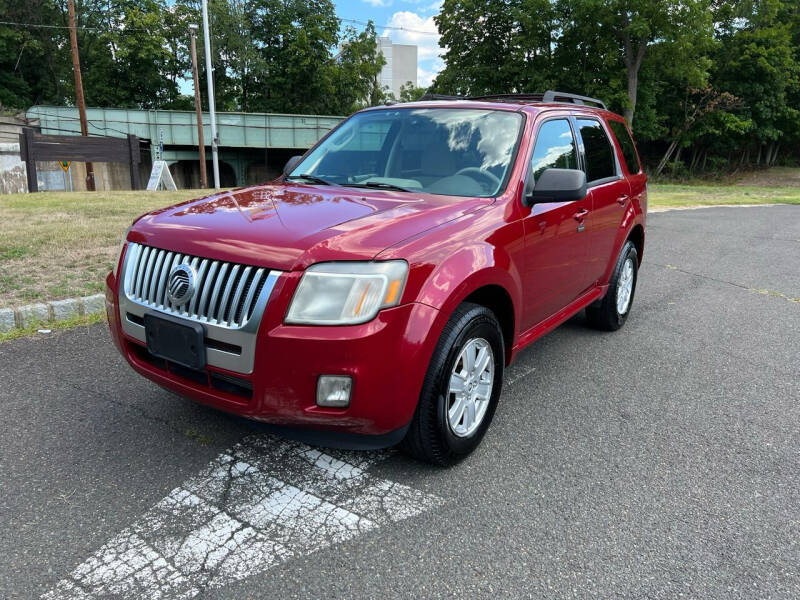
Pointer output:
659, 461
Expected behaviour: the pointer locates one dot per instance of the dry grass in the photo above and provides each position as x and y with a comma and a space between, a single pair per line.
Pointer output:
59, 245
53, 326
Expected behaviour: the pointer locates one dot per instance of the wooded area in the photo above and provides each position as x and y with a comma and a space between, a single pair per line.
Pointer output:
708, 85
269, 55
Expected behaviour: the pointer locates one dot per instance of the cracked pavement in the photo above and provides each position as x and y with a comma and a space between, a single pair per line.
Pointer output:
660, 461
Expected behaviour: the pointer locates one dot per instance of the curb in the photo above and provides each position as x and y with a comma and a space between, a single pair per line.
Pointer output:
56, 310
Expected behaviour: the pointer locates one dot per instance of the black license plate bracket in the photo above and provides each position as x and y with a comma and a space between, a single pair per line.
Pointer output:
176, 340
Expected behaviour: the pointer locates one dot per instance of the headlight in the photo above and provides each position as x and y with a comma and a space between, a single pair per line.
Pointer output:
115, 268
345, 293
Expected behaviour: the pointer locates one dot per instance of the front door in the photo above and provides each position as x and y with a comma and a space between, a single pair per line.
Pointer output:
556, 247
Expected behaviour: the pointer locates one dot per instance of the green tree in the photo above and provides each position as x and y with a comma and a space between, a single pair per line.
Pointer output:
357, 67
33, 62
495, 46
411, 93
758, 62
130, 57
630, 28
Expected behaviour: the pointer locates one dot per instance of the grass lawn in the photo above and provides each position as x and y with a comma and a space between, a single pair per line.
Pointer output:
58, 245
672, 196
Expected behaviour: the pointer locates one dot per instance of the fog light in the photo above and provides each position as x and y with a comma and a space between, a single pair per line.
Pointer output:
334, 390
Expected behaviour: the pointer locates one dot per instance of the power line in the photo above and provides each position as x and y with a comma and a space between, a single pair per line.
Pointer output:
392, 27
135, 29
81, 27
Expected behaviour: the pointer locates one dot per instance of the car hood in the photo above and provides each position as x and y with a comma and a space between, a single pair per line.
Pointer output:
290, 226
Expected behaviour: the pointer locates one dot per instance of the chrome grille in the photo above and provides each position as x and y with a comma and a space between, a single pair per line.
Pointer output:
226, 294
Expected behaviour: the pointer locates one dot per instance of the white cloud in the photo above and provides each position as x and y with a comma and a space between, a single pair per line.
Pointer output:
425, 77
378, 2
428, 70
410, 25
421, 31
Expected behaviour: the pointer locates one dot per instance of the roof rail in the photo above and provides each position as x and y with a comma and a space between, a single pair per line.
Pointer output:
553, 96
441, 97
548, 96
535, 97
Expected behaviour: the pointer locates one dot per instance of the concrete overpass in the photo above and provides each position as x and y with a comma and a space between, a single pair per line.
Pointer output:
253, 147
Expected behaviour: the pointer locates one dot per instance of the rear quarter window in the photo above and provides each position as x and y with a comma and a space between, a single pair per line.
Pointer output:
626, 144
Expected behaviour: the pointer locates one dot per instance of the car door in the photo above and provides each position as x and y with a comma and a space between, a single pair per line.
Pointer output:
556, 247
609, 192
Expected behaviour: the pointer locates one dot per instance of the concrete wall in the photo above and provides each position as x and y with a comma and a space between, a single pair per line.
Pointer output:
107, 176
12, 170
405, 66
50, 176
400, 67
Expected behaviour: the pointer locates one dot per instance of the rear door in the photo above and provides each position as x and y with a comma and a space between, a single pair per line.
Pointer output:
609, 192
556, 246
631, 163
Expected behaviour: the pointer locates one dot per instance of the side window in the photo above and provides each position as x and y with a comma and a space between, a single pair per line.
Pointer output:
626, 143
555, 148
599, 154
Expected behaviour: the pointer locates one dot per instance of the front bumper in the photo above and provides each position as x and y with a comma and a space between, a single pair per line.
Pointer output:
386, 357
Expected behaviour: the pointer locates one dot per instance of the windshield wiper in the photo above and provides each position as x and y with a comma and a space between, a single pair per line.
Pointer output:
381, 185
311, 178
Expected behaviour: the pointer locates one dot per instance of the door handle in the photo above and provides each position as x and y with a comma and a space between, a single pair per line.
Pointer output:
622, 200
580, 215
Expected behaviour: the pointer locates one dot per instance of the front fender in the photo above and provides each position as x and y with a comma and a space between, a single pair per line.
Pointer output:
467, 270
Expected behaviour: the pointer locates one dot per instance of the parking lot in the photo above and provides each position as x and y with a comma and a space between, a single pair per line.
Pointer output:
660, 461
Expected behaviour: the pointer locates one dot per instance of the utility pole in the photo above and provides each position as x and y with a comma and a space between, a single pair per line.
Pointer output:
76, 68
201, 146
211, 111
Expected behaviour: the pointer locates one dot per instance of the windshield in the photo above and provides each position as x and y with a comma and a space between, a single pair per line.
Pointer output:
449, 151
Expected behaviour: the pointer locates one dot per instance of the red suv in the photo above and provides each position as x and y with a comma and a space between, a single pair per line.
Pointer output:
375, 292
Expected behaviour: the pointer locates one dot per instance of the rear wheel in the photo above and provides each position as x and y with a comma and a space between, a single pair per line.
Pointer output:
461, 388
610, 313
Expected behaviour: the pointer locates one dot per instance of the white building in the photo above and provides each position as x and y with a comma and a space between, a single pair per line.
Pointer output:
400, 67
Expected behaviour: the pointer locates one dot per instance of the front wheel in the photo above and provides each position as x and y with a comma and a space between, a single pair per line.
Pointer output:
611, 312
461, 388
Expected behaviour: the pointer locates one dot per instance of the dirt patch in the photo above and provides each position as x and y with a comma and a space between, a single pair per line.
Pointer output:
774, 177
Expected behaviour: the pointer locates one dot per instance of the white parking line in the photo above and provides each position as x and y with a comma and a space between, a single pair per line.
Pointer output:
263, 502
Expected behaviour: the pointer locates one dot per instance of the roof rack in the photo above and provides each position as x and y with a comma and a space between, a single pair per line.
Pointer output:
441, 97
548, 96
553, 96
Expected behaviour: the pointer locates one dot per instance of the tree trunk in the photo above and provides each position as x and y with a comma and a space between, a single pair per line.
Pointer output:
665, 158
633, 84
705, 159
775, 154
695, 158
633, 61
758, 160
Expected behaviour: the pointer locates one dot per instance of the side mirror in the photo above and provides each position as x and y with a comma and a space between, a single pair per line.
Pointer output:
291, 164
558, 185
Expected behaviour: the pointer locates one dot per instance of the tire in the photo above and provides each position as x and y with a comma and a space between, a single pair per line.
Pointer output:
431, 437
611, 312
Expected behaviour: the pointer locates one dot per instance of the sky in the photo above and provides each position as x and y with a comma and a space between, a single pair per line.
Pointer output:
414, 22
